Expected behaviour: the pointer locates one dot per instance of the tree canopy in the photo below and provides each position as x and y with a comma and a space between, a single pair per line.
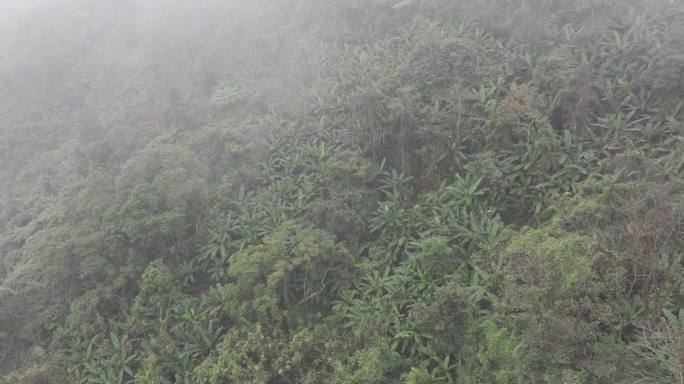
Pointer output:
342, 192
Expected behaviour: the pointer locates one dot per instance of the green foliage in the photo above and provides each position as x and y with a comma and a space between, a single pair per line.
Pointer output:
156, 288
348, 181
377, 364
296, 269
343, 192
161, 189
557, 262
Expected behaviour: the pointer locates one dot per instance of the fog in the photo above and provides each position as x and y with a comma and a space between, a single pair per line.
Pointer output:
13, 10
341, 191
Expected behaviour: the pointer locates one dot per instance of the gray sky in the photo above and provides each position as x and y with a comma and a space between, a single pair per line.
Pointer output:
11, 9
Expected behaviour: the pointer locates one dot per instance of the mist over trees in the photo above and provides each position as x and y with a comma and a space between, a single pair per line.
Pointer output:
342, 191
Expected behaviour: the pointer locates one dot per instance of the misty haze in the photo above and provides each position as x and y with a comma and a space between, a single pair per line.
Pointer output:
342, 191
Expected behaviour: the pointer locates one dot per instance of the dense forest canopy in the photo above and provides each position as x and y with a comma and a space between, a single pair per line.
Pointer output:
342, 191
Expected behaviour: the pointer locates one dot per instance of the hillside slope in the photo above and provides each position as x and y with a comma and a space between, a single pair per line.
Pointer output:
358, 191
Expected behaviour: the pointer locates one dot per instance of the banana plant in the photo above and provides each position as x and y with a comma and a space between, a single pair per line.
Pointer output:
396, 185
251, 220
214, 256
109, 363
441, 369
393, 225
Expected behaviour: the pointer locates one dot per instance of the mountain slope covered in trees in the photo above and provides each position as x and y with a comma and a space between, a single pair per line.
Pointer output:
356, 191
